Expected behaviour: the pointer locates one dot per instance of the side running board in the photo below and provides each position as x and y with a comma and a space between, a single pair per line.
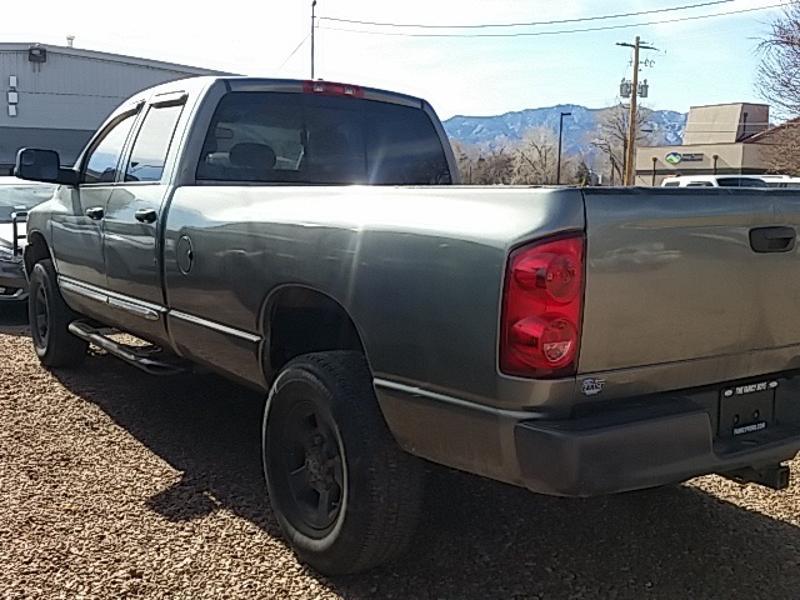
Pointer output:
149, 359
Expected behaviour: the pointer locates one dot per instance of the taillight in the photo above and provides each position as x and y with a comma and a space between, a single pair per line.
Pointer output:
329, 88
542, 306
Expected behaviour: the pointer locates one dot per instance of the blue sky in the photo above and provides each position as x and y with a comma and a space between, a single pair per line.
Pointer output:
699, 62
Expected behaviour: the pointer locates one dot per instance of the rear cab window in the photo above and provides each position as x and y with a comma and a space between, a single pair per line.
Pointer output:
276, 137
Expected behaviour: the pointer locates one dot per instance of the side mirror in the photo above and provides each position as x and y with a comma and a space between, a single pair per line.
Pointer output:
43, 165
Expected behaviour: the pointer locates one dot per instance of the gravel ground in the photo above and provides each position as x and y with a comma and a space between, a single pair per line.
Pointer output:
116, 484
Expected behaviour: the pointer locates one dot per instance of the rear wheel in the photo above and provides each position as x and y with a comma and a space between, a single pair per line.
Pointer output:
346, 496
49, 318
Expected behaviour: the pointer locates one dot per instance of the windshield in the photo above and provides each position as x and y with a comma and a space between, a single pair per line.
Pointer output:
22, 197
298, 138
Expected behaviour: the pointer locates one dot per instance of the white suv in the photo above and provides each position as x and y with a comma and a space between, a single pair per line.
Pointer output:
714, 181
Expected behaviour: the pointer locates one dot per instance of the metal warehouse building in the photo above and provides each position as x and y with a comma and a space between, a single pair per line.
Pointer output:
56, 96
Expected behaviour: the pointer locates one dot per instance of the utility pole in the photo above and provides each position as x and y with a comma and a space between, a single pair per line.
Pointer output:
560, 136
313, 24
630, 168
631, 150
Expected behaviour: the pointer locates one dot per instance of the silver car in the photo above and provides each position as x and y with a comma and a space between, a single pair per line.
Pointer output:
17, 197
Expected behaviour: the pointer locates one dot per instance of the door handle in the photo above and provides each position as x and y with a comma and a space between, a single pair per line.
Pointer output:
772, 239
95, 213
146, 215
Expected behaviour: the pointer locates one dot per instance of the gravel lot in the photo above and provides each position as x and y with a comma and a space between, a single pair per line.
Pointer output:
115, 484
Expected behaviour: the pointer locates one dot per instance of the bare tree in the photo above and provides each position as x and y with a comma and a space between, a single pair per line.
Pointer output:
781, 148
780, 86
533, 161
464, 160
583, 174
535, 158
495, 167
612, 139
780, 63
483, 166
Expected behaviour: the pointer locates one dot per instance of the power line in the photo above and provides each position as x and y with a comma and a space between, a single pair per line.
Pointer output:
560, 31
293, 52
531, 23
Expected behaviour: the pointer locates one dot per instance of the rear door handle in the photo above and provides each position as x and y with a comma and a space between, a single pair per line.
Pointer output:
146, 215
772, 239
95, 213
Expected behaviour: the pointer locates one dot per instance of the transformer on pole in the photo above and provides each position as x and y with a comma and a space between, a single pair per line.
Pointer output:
635, 91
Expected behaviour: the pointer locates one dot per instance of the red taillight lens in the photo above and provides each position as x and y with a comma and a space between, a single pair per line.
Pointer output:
329, 88
542, 306
557, 274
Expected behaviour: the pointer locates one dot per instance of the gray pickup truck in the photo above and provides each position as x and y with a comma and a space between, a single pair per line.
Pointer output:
302, 238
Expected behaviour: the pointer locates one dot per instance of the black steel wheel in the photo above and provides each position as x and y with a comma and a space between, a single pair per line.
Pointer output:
40, 317
308, 461
345, 495
49, 318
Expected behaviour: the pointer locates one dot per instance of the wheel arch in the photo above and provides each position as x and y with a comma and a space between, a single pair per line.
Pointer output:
298, 319
36, 249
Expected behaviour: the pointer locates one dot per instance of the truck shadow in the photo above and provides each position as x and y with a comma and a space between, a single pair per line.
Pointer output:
14, 318
479, 538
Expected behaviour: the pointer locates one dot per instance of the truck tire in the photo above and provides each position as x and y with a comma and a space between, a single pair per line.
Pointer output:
49, 317
345, 495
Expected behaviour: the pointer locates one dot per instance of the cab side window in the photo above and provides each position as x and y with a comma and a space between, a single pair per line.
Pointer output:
102, 162
152, 143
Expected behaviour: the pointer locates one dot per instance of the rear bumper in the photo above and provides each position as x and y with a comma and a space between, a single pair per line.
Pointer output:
624, 445
598, 455
13, 285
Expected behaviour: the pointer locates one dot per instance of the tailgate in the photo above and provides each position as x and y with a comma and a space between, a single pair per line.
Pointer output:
672, 276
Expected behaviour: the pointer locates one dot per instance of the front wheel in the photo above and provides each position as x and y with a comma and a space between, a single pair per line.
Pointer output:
49, 319
345, 495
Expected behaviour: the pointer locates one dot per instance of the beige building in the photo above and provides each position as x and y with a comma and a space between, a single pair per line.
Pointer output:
724, 139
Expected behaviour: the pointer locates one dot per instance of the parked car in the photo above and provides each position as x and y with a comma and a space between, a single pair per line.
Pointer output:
573, 341
714, 181
17, 197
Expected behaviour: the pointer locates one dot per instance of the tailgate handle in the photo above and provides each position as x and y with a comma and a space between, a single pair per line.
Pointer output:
772, 239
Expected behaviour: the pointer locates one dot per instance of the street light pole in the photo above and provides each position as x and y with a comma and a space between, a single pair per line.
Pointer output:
655, 164
560, 136
313, 22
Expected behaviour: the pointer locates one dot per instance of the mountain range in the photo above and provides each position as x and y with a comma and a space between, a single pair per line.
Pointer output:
494, 132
